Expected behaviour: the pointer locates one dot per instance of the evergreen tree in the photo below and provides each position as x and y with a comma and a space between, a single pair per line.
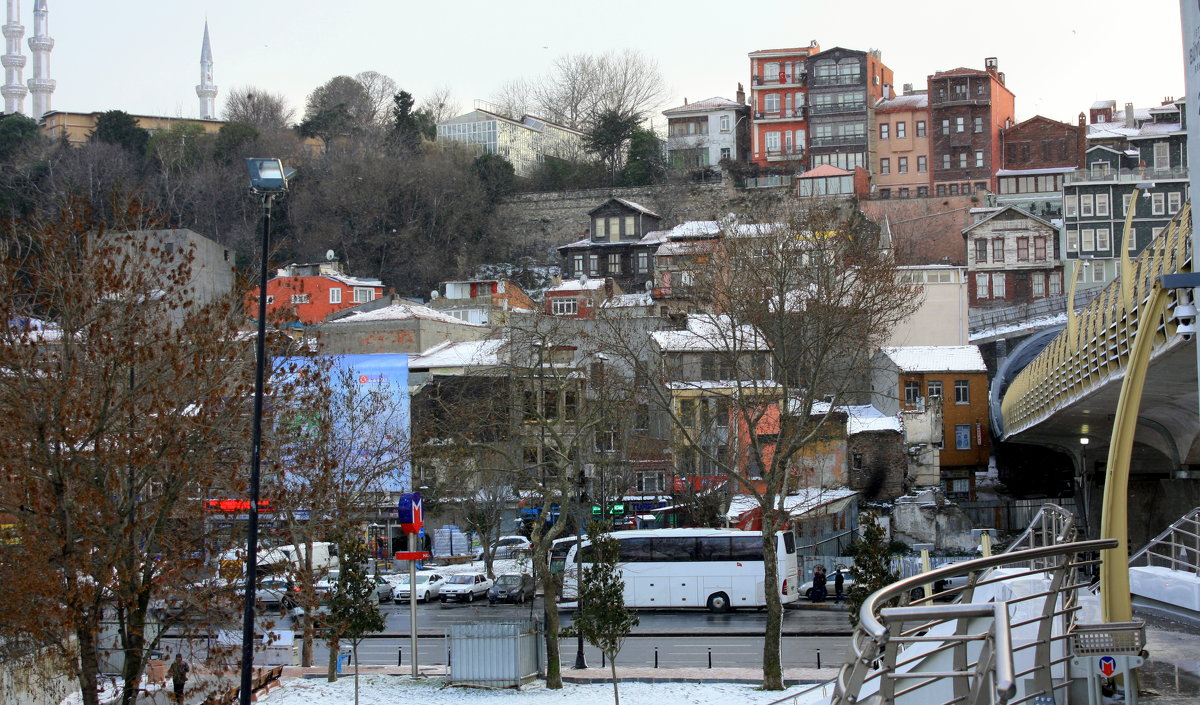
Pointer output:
601, 616
353, 608
16, 131
607, 138
410, 127
872, 565
646, 164
120, 128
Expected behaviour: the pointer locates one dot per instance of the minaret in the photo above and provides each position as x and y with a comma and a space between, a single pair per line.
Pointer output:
13, 61
41, 85
207, 91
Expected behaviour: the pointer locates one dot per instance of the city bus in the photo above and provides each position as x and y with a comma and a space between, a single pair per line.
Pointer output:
717, 569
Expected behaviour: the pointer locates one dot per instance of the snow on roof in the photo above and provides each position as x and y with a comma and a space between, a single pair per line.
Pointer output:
1035, 172
687, 229
910, 101
714, 103
577, 285
1158, 129
628, 300
798, 504
861, 418
628, 204
1102, 104
998, 211
399, 311
937, 358
470, 353
708, 332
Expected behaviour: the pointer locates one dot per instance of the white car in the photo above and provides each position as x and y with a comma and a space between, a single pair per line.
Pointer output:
508, 547
465, 587
429, 585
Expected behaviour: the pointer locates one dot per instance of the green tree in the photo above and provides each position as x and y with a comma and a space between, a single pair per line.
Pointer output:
353, 609
16, 131
497, 175
645, 165
231, 138
410, 127
341, 107
601, 616
120, 128
872, 565
608, 137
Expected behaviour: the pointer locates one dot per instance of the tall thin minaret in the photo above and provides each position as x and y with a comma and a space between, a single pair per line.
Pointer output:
41, 85
207, 90
14, 90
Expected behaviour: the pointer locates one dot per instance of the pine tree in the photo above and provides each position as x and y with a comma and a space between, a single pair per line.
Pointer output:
872, 565
601, 616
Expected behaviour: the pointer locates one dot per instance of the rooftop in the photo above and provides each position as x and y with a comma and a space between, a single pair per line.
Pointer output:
714, 103
398, 311
937, 358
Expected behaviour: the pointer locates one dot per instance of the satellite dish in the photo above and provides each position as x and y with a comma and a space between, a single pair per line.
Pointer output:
433, 294
649, 285
330, 255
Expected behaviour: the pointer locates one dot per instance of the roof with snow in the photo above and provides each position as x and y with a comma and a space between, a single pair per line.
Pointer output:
996, 214
470, 353
798, 504
628, 300
580, 284
1036, 172
714, 103
937, 358
399, 311
910, 101
628, 204
708, 332
862, 418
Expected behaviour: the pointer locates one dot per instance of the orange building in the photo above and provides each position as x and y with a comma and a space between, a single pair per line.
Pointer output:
778, 105
304, 294
901, 168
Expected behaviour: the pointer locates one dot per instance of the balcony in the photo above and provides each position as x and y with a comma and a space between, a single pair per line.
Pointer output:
839, 80
955, 101
786, 154
793, 114
838, 141
779, 81
1127, 175
836, 108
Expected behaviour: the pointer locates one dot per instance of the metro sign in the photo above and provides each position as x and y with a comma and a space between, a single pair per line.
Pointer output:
1107, 665
235, 506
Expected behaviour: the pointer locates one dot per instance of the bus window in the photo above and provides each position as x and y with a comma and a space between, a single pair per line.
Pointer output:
636, 550
789, 542
712, 548
747, 548
674, 548
558, 554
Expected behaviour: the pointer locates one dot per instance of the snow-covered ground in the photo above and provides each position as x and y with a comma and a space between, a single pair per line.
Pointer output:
388, 690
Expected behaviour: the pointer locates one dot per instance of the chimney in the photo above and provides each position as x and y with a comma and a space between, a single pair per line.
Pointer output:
741, 95
907, 89
991, 64
1129, 119
685, 100
1082, 121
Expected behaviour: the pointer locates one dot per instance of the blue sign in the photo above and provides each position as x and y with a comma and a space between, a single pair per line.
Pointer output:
410, 508
1107, 665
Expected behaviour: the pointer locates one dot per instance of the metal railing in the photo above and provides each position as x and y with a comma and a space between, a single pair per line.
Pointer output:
1094, 349
831, 108
1177, 548
838, 140
971, 652
1052, 525
1138, 174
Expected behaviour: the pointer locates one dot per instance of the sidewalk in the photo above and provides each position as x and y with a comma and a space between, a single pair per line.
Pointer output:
792, 676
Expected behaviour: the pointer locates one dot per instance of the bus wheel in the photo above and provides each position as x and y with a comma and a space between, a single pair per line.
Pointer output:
718, 603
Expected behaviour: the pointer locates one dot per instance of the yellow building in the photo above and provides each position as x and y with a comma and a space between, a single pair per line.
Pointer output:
77, 127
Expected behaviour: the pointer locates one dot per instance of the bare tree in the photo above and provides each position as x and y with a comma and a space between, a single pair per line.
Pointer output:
514, 98
258, 108
581, 87
380, 89
441, 105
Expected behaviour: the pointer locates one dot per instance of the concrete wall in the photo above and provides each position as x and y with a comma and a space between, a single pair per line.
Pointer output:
408, 335
929, 518
34, 680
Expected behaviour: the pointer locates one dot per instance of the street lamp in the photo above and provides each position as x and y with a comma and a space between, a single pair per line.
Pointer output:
268, 179
581, 496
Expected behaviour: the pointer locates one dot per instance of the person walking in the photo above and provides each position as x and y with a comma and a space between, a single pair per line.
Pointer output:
839, 585
179, 675
819, 590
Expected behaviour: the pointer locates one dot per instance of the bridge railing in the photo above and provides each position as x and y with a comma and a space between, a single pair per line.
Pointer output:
1096, 345
1052, 525
1012, 626
1177, 548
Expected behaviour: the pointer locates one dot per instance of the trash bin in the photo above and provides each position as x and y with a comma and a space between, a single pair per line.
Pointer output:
343, 660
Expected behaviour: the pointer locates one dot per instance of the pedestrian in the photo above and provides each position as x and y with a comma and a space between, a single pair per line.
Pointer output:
179, 675
819, 590
839, 584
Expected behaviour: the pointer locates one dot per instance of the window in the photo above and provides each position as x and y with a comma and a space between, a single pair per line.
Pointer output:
941, 188
724, 123
912, 392
934, 388
978, 157
903, 192
564, 306
771, 103
998, 285
885, 193
1157, 204
953, 189
629, 225
299, 299
614, 228
1022, 249
1125, 203
335, 295
1173, 202
1088, 243
902, 165
1102, 204
1162, 155
1039, 248
945, 163
978, 125
920, 128
962, 391
772, 139
856, 460
363, 295
650, 482
614, 263
1101, 168
725, 153
577, 265
1102, 242
593, 264
1098, 271
1070, 206
960, 124
981, 286
883, 130
1086, 206
962, 436
998, 250
922, 191
901, 129
643, 262
1072, 241
1055, 284
885, 166
962, 160
1132, 244
1039, 285
945, 126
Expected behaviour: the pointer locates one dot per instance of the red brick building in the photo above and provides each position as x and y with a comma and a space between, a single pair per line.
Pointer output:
969, 108
304, 294
778, 106
1012, 260
578, 298
1037, 155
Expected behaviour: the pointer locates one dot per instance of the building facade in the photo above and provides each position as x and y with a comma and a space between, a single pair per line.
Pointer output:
901, 169
778, 96
525, 143
623, 236
1036, 157
843, 87
305, 294
968, 108
707, 132
484, 302
1013, 260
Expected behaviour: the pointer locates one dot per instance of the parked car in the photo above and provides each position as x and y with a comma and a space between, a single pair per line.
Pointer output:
429, 585
508, 547
384, 591
807, 588
325, 586
512, 587
275, 592
465, 587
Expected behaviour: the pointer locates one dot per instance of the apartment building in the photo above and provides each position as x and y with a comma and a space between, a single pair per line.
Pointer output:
702, 134
901, 169
843, 87
778, 96
968, 108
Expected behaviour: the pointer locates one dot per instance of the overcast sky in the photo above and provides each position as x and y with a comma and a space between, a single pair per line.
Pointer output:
143, 57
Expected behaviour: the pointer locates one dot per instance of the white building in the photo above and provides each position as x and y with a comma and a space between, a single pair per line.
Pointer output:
525, 143
703, 133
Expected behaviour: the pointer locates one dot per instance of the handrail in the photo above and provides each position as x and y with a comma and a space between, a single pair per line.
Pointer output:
1182, 541
1061, 527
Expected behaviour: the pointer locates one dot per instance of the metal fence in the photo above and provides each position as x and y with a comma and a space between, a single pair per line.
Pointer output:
1009, 515
1177, 548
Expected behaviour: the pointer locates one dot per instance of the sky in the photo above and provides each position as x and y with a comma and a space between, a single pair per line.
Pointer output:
1059, 57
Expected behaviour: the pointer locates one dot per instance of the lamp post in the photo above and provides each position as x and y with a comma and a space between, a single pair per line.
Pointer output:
581, 496
268, 179
1083, 467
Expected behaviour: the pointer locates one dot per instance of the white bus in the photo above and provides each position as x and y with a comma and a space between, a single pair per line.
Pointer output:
672, 568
